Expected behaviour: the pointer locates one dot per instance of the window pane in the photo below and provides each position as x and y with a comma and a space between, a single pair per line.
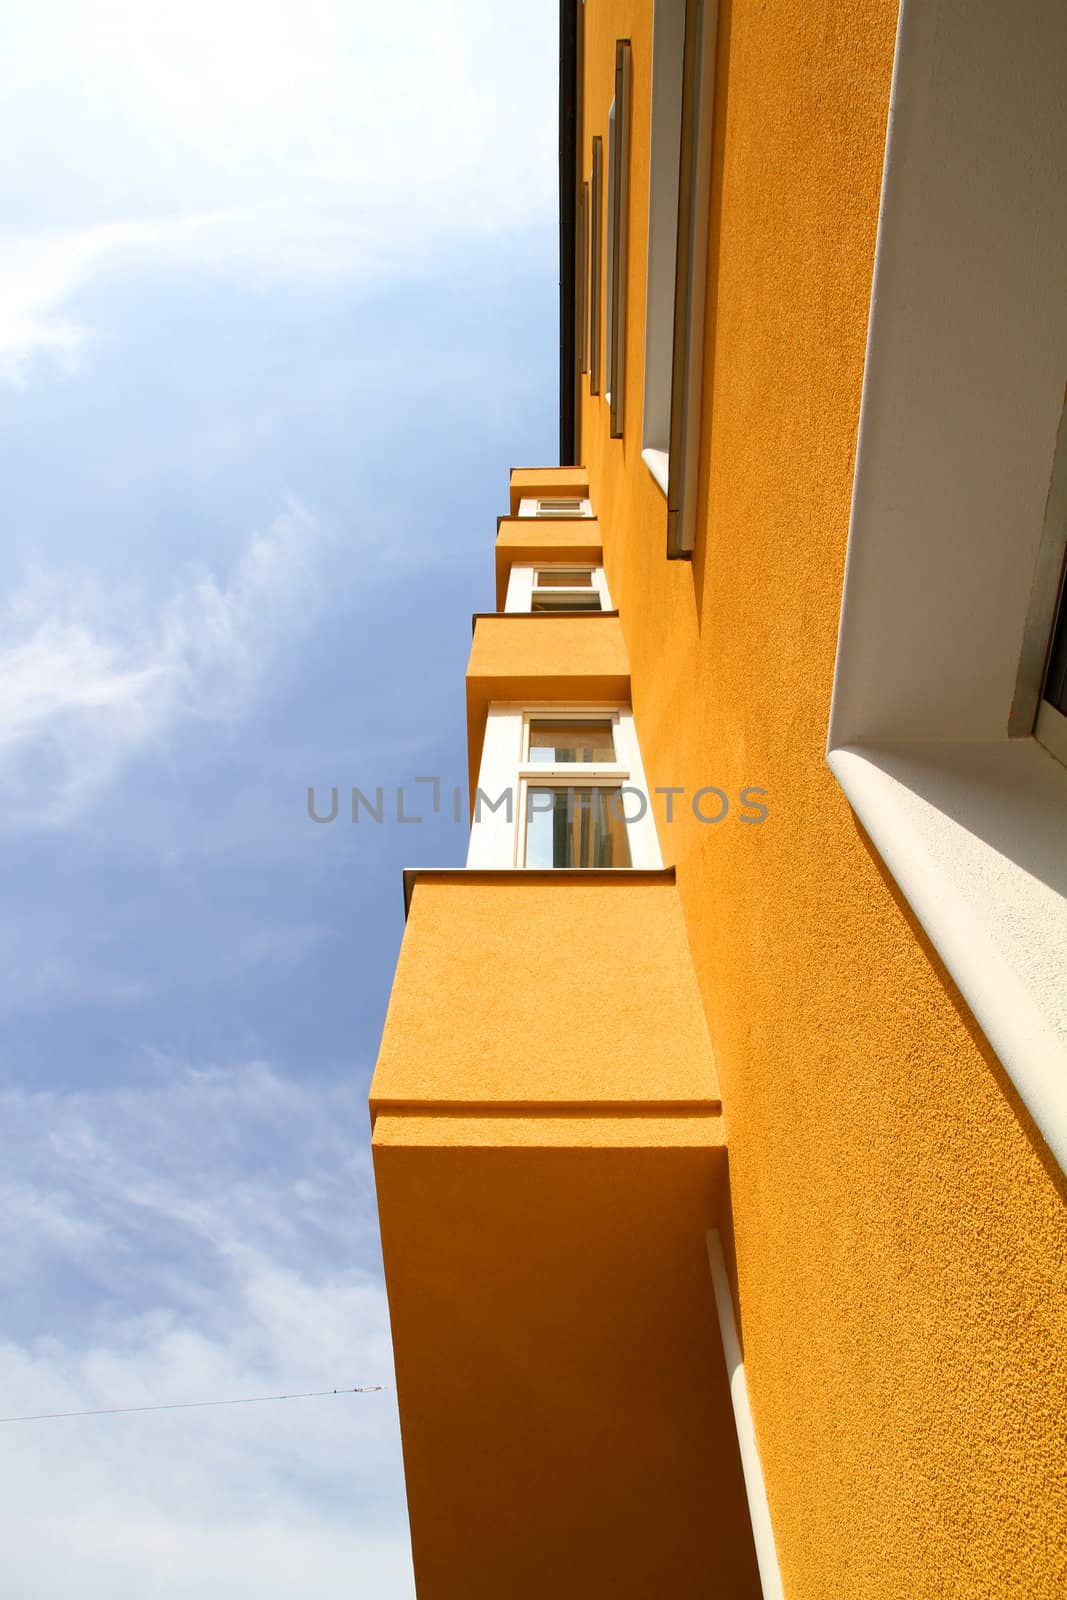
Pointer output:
559, 508
564, 578
564, 600
579, 827
554, 742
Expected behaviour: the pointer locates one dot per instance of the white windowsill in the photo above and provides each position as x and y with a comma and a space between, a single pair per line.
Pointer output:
656, 461
973, 834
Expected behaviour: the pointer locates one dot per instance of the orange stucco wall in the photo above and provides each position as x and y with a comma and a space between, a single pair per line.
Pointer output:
535, 482
573, 961
521, 541
528, 657
548, 1146
563, 1400
900, 1234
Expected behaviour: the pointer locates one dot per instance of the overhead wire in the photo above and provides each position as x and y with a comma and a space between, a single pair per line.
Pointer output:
194, 1405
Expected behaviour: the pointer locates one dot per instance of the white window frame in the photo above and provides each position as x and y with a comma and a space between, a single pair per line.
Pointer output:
521, 584
500, 841
565, 508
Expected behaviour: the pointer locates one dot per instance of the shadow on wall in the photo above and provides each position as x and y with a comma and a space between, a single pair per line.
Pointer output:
981, 1044
699, 561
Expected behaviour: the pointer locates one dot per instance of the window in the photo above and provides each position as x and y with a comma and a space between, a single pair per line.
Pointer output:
1051, 724
609, 266
563, 589
1049, 610
683, 88
557, 588
596, 213
565, 506
572, 817
562, 787
618, 230
581, 311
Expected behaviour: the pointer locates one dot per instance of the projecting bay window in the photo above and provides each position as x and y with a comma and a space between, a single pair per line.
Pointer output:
562, 788
557, 588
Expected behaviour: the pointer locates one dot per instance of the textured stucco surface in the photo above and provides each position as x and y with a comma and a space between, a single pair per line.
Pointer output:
548, 1155
900, 1235
529, 994
538, 482
563, 1400
520, 541
527, 658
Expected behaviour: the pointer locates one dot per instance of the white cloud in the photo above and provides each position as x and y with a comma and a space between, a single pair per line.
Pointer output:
39, 275
261, 139
212, 1226
84, 686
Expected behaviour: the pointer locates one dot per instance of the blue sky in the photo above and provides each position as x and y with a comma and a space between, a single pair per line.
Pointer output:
277, 313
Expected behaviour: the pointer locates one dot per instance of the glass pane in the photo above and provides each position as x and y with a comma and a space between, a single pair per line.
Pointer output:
576, 827
559, 508
564, 601
564, 578
555, 742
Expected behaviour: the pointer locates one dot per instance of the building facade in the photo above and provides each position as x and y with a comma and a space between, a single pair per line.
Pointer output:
720, 1121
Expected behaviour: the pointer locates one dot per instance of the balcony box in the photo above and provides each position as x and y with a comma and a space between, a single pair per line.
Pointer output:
537, 483
549, 1153
526, 541
562, 657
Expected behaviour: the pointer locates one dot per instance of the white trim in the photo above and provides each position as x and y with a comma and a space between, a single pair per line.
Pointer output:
520, 589
971, 833
497, 841
657, 462
950, 542
492, 841
759, 1511
547, 506
521, 584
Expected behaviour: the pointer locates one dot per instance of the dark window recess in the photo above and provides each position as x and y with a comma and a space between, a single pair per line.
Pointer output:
1055, 690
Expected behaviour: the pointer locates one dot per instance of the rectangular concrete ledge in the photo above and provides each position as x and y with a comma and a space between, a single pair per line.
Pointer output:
526, 616
561, 876
534, 483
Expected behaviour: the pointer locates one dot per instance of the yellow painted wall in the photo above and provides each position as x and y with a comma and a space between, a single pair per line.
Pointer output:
584, 974
530, 656
546, 482
901, 1235
521, 541
548, 1144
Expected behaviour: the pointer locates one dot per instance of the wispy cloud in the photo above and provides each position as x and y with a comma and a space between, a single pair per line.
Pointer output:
85, 682
260, 140
214, 1223
40, 274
